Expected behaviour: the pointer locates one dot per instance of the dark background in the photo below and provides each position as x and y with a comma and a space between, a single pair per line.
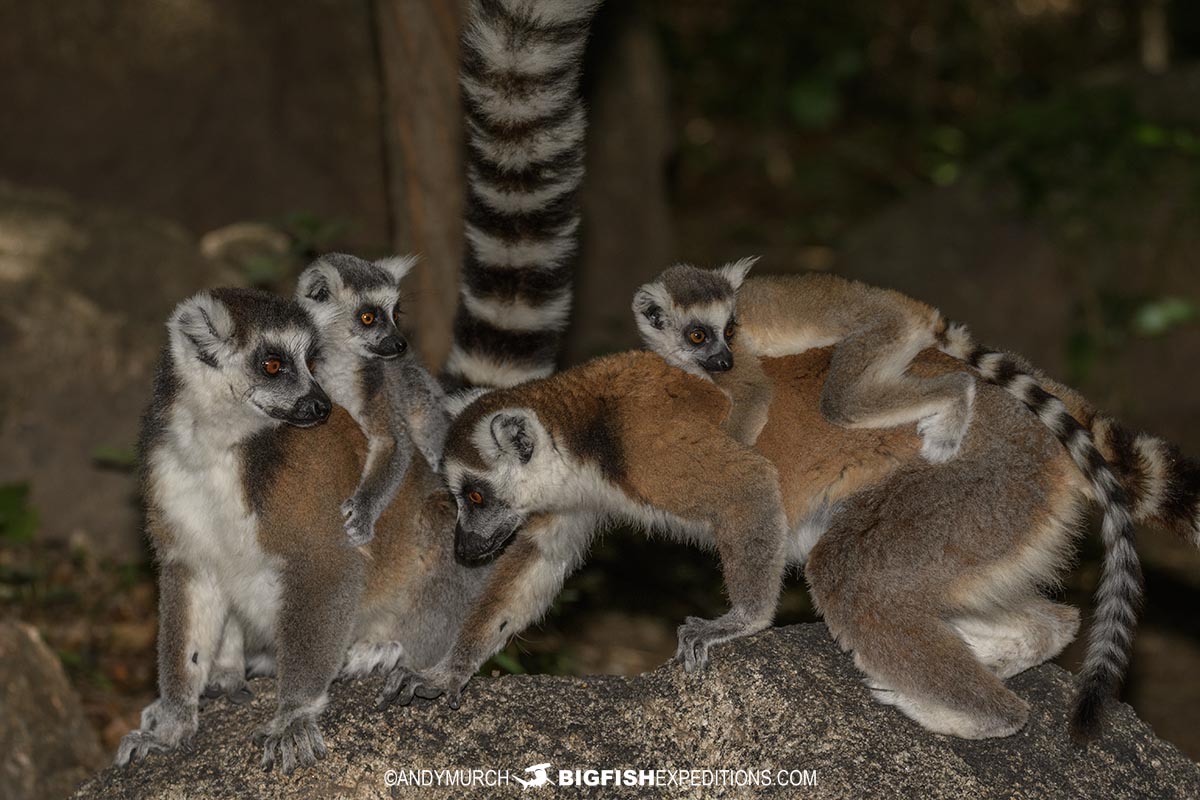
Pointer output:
1032, 167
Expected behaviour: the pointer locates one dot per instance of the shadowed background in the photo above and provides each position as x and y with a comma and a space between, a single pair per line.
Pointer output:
1032, 167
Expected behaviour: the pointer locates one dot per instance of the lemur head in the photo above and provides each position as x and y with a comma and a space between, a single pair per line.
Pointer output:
501, 465
244, 358
688, 315
356, 303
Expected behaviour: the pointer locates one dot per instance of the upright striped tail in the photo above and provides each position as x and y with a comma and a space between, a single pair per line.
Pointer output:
1119, 594
525, 125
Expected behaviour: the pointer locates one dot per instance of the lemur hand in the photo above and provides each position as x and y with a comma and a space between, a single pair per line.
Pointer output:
358, 520
402, 685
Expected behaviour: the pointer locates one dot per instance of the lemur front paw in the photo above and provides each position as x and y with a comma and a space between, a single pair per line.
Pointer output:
359, 520
943, 433
402, 685
291, 740
164, 727
230, 684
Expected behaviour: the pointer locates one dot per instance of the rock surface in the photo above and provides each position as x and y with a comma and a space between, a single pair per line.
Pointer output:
783, 700
84, 298
46, 744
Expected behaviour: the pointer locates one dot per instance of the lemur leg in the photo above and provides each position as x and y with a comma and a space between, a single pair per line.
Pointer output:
1011, 641
191, 615
316, 621
868, 387
523, 584
423, 408
388, 458
911, 657
228, 678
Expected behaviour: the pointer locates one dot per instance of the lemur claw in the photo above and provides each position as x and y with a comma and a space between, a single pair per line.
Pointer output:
694, 637
164, 727
291, 743
230, 685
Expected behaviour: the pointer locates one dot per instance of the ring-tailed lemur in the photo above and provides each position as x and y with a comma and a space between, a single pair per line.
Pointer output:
930, 574
689, 316
243, 515
525, 130
365, 369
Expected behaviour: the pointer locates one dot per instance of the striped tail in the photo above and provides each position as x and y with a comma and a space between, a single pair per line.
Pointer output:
1119, 594
525, 130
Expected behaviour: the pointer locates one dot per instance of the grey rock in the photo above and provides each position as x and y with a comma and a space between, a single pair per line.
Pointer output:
84, 298
46, 744
787, 699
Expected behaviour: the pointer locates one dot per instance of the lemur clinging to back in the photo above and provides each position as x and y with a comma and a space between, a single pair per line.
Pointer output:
365, 369
244, 515
932, 575
689, 317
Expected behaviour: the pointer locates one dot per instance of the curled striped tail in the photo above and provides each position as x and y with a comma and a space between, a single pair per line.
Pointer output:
1119, 594
525, 131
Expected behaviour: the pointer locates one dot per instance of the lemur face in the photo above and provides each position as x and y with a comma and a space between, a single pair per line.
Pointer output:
688, 316
499, 467
246, 355
356, 303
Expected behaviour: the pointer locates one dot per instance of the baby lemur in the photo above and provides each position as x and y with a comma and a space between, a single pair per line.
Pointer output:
689, 316
366, 370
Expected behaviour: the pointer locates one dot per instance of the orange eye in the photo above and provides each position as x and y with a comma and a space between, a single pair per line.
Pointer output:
367, 317
697, 336
729, 332
396, 315
312, 365
272, 366
475, 497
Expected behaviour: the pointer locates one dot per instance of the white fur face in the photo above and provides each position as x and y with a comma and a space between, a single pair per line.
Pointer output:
688, 316
244, 360
502, 468
356, 303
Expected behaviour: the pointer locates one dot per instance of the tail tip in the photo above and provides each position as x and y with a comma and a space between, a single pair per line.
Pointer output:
1087, 716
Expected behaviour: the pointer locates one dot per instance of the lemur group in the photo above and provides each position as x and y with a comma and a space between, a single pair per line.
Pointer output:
322, 508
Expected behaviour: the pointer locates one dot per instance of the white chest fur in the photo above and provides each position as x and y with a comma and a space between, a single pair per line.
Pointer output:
197, 485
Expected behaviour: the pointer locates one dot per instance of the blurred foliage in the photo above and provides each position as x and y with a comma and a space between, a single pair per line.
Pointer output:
18, 519
122, 459
308, 236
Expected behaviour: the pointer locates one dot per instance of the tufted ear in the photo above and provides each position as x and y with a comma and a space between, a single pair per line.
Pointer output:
203, 326
648, 304
397, 266
318, 283
735, 273
513, 432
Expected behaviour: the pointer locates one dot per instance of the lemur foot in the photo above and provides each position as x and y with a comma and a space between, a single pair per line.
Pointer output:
697, 635
290, 740
230, 684
943, 433
358, 520
164, 727
402, 685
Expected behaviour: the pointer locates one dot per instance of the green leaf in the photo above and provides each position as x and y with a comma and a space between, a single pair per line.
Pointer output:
18, 519
507, 663
112, 457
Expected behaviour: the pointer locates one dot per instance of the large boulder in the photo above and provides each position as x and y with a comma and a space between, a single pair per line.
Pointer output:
784, 700
46, 744
84, 295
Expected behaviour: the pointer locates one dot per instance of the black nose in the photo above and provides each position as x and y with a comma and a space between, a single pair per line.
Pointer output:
721, 362
313, 407
391, 346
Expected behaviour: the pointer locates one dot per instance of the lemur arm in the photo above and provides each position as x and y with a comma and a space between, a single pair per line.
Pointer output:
421, 403
191, 615
526, 579
749, 391
389, 455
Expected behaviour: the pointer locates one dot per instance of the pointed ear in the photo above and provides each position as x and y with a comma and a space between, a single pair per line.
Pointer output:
317, 283
513, 433
648, 304
203, 326
397, 266
735, 273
